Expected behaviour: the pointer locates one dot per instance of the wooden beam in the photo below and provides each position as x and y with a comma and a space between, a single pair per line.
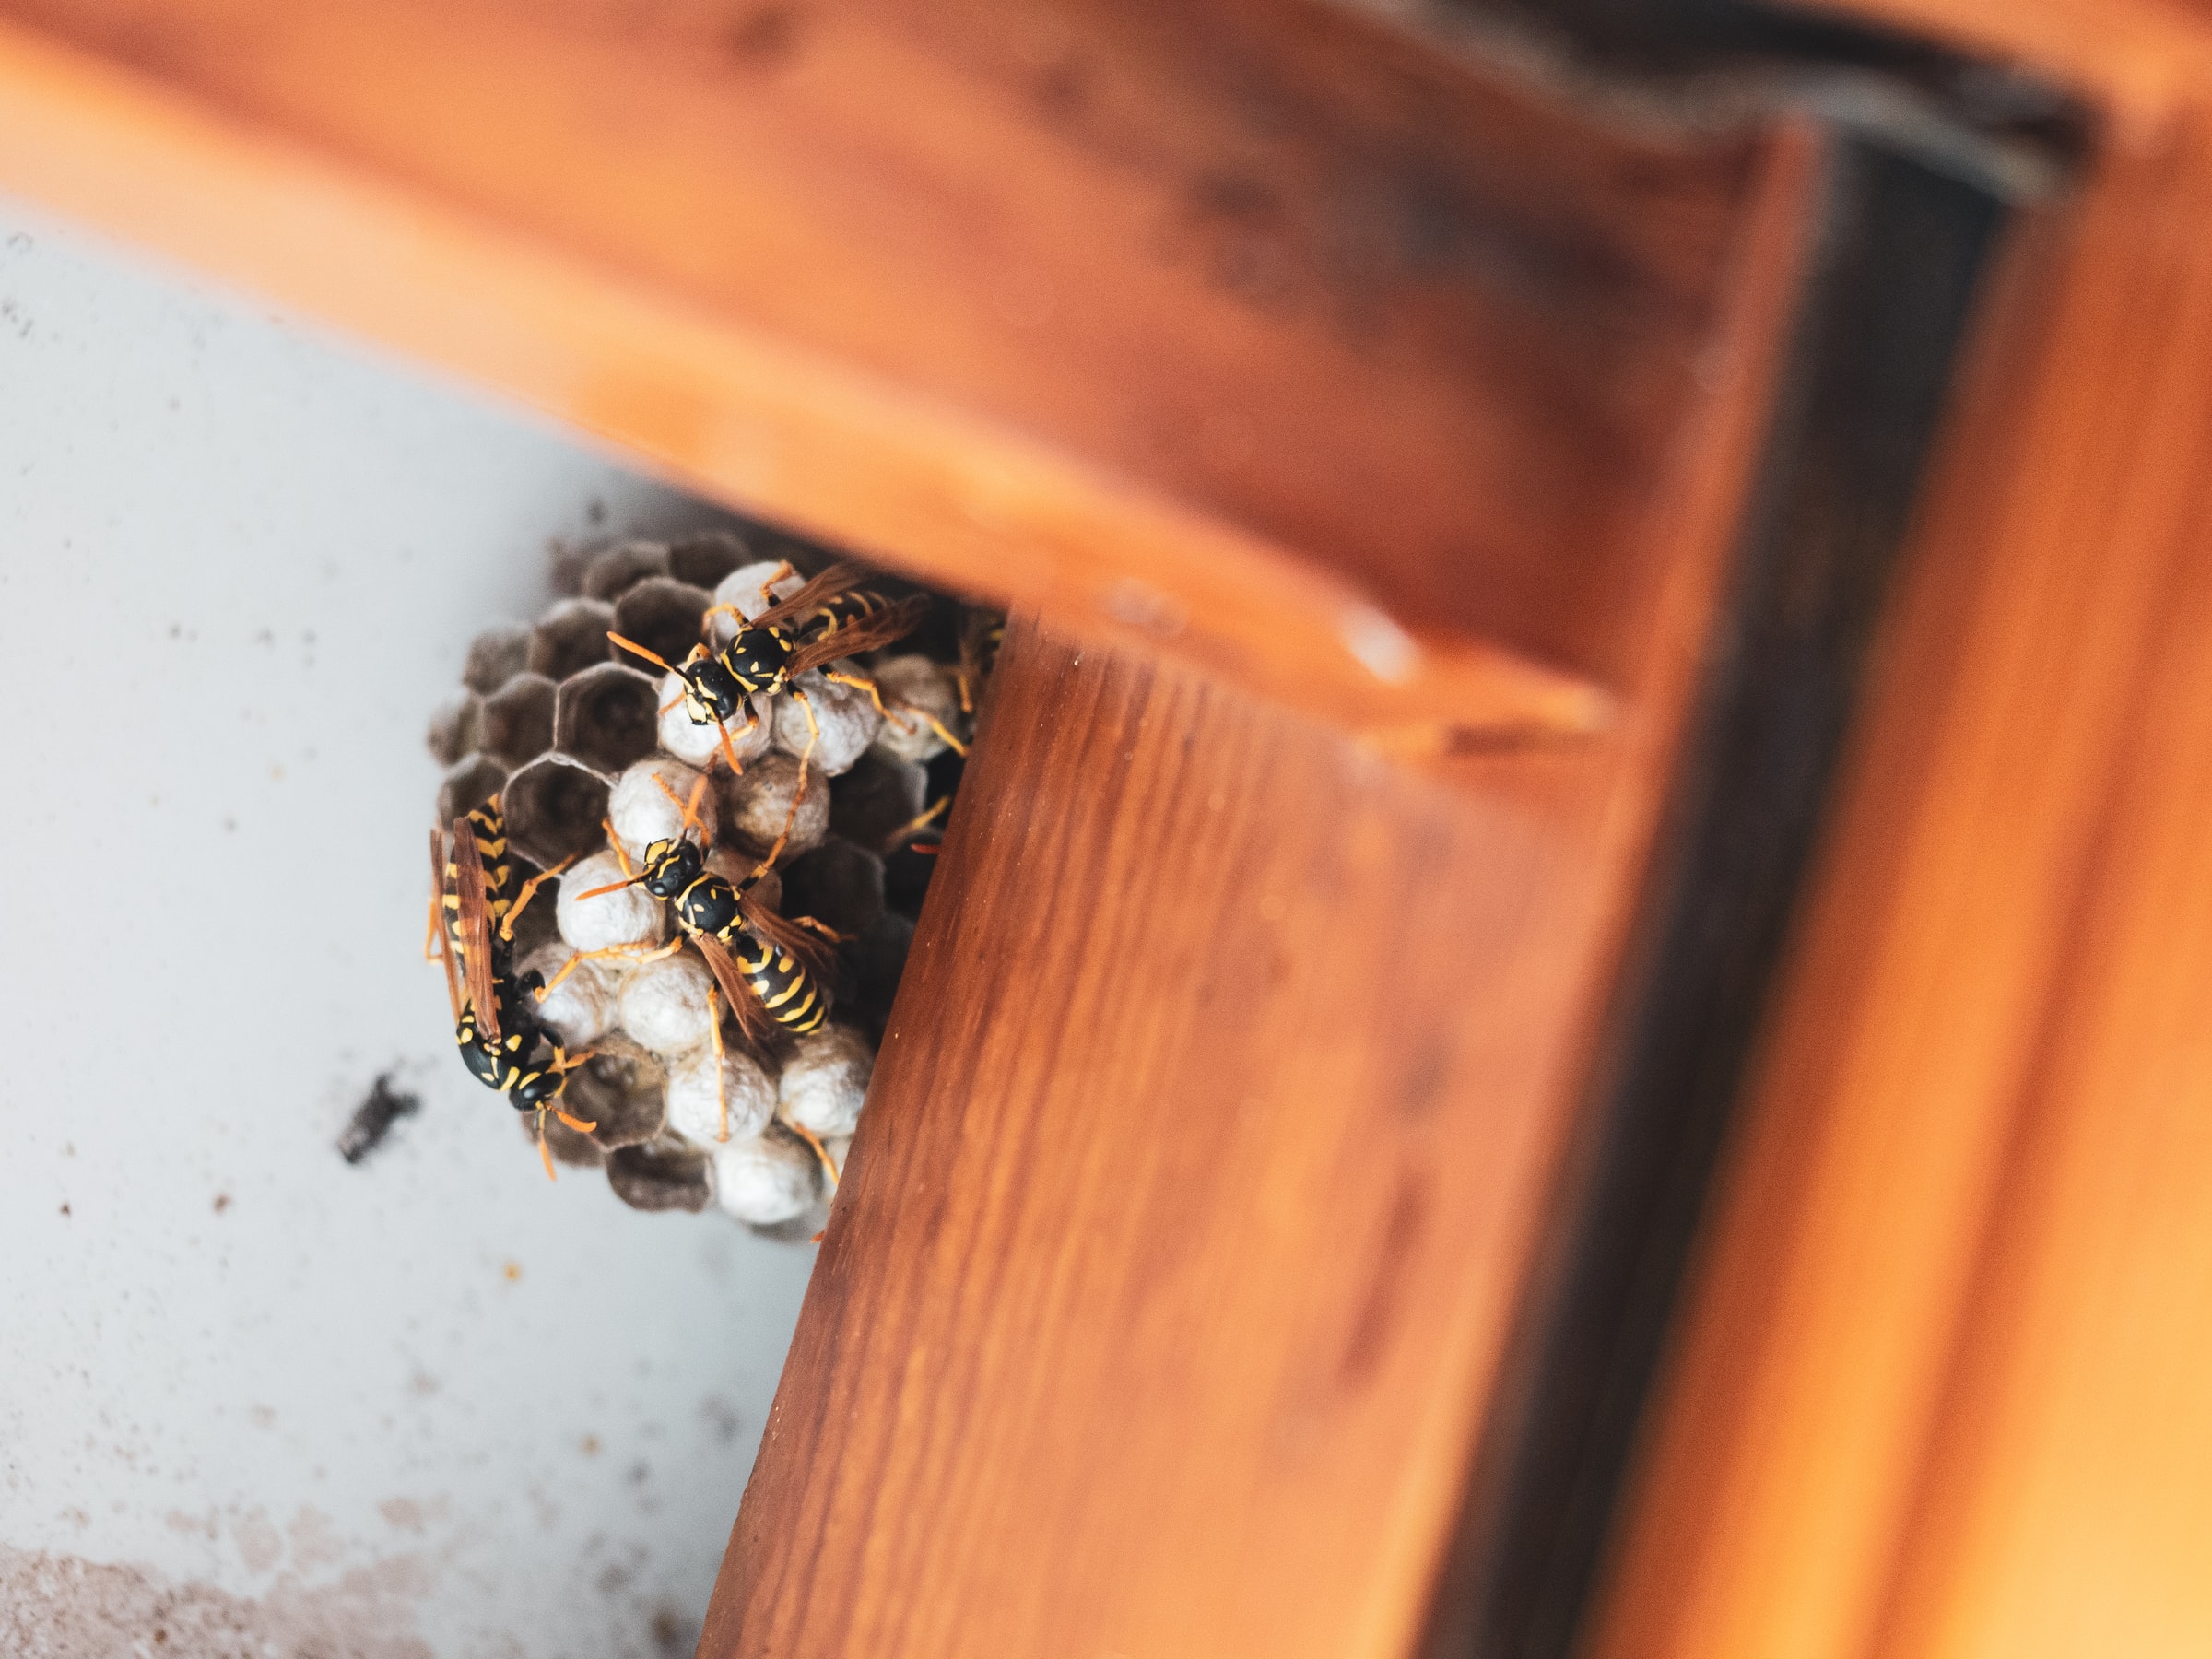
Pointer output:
1164, 1296
1927, 1394
1257, 332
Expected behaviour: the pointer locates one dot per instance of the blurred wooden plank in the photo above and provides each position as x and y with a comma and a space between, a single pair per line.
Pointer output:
1251, 329
2067, 1507
1163, 1299
1926, 1397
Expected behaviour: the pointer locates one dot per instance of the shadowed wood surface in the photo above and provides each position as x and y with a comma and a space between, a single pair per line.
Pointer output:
1939, 1392
1165, 1290
1134, 313
1199, 1167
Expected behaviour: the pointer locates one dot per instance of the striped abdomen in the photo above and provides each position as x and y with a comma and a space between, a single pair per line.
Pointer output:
785, 987
487, 829
844, 610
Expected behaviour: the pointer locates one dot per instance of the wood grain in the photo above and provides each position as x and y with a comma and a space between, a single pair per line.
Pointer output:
1933, 1393
1130, 314
1163, 1297
1199, 1162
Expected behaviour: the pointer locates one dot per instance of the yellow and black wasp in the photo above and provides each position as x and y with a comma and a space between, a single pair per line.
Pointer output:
832, 616
473, 885
773, 973
496, 1026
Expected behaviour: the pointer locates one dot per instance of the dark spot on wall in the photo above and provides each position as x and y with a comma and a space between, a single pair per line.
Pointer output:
672, 1632
372, 1121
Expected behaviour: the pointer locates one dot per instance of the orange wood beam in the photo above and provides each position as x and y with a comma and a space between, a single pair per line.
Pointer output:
1925, 1396
1259, 333
1165, 1292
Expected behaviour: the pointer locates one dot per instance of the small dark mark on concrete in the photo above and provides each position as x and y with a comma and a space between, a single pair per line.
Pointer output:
64, 1209
222, 1203
373, 1119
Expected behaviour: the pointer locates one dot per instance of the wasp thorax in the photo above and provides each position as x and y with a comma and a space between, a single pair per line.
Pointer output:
759, 658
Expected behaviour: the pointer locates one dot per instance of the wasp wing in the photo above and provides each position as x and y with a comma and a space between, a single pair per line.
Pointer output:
736, 990
816, 592
445, 944
475, 927
869, 633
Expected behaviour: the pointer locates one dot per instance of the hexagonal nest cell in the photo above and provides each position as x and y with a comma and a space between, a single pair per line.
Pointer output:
822, 799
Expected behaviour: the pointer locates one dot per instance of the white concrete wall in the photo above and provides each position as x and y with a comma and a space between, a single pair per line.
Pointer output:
427, 1405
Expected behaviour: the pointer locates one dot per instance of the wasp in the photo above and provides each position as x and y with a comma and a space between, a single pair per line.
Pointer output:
982, 634
832, 616
773, 973
470, 885
496, 1028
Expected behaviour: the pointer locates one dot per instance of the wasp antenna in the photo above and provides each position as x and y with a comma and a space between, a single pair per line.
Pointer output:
612, 886
635, 649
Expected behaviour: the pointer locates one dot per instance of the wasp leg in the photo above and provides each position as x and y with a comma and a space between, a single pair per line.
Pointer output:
430, 933
767, 598
820, 1151
907, 832
859, 684
814, 736
629, 951
615, 842
822, 928
782, 569
545, 1153
876, 696
528, 893
936, 726
688, 808
721, 1091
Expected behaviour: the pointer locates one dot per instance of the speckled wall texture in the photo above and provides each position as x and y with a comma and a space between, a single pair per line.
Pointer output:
424, 1405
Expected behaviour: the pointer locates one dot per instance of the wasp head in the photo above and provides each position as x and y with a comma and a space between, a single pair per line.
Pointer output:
670, 867
537, 1088
710, 693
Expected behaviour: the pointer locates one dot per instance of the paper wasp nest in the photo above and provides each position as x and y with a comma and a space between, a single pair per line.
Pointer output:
574, 735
